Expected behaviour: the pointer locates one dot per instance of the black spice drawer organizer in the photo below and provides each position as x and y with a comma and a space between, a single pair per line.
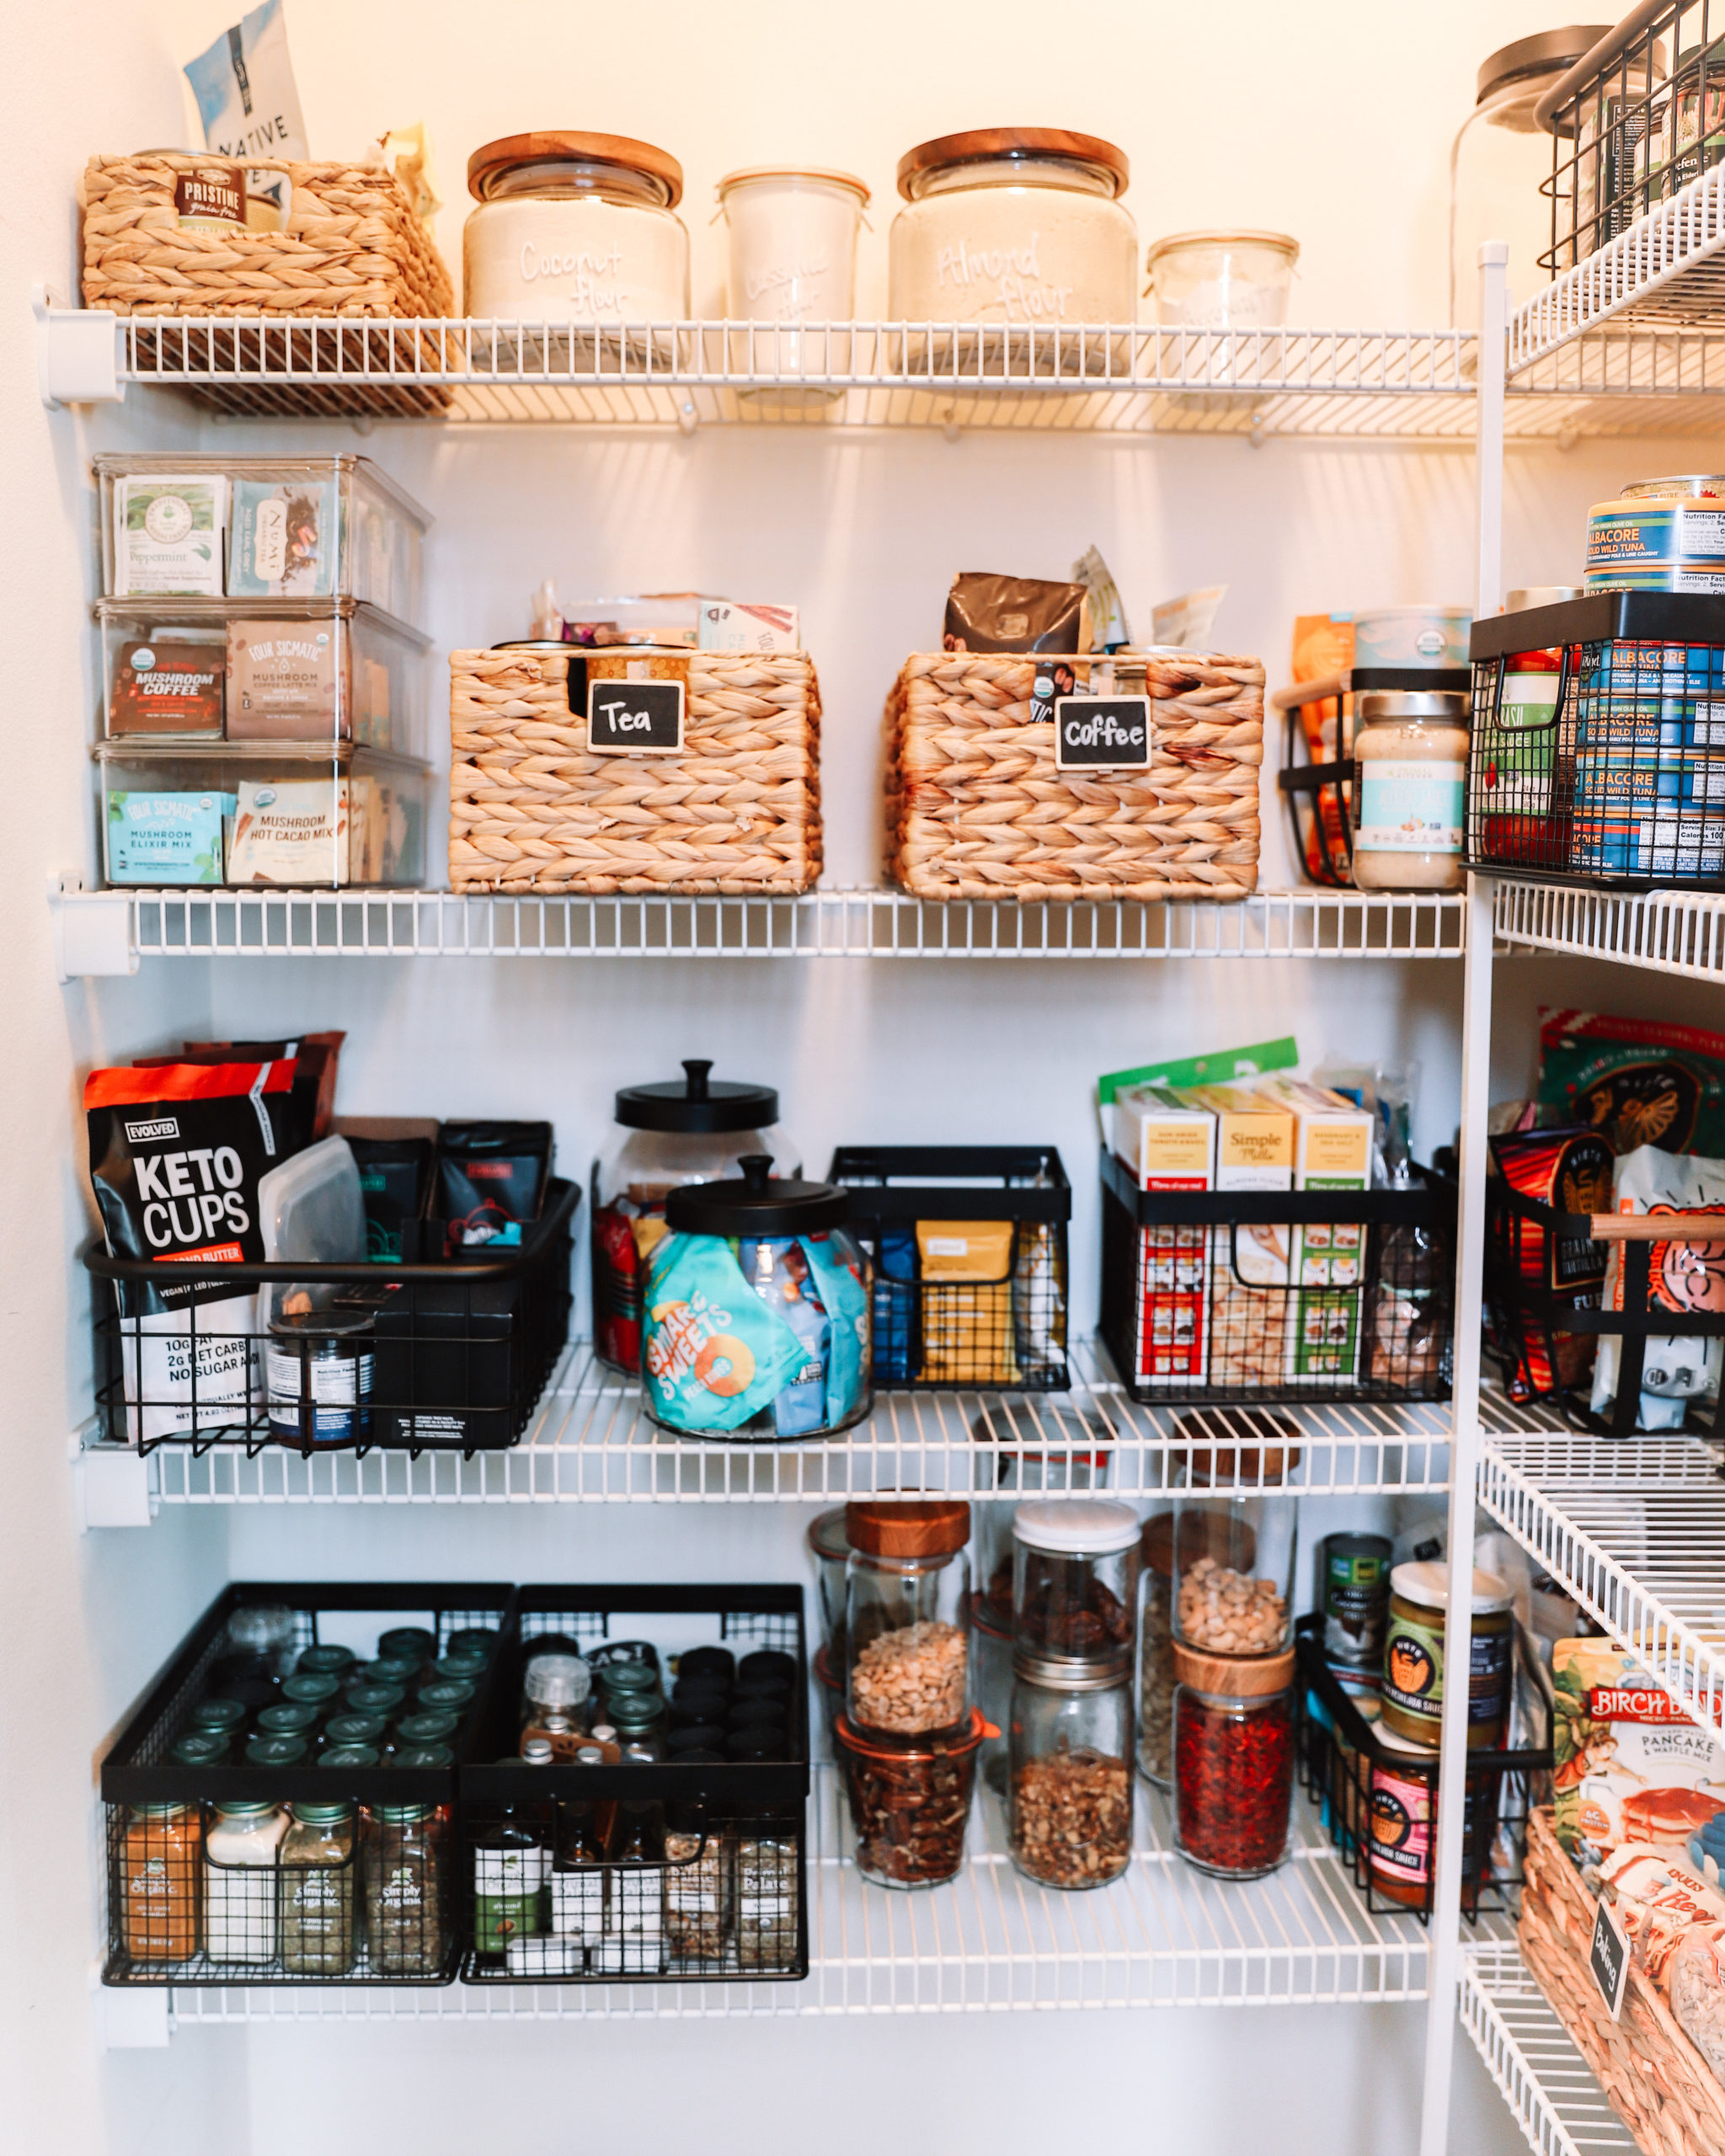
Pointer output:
462, 1349
1005, 1331
1172, 1261
382, 1905
730, 1901
1379, 1804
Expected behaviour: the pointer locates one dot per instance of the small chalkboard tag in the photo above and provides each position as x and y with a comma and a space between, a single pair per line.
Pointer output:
1609, 1958
1102, 733
635, 718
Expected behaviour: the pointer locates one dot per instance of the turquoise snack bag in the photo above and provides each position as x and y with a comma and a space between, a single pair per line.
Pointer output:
715, 1354
846, 1302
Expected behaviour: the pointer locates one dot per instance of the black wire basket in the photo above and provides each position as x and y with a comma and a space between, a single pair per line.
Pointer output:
445, 1357
1182, 1321
715, 1887
1379, 1803
330, 1858
998, 1325
1623, 784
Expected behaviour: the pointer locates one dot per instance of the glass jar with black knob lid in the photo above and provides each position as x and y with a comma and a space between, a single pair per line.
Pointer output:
670, 1134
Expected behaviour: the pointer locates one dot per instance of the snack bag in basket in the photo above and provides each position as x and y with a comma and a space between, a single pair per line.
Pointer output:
1683, 1277
1629, 1765
1697, 1984
1636, 1081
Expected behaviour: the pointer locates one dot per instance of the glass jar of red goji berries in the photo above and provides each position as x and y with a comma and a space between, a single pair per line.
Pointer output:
1233, 1760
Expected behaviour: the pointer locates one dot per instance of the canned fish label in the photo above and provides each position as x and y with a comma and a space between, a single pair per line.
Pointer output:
1640, 535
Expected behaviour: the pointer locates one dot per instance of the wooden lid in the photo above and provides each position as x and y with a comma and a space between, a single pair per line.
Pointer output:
1200, 1534
1233, 1676
985, 145
562, 146
1222, 1462
918, 1527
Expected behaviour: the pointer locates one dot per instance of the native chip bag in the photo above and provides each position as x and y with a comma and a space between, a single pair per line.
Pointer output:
1634, 1081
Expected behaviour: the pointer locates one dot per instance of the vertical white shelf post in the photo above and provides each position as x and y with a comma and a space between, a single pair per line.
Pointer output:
1443, 2008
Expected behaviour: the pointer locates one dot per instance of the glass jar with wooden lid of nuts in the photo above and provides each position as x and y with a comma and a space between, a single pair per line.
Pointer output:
1236, 1534
906, 1641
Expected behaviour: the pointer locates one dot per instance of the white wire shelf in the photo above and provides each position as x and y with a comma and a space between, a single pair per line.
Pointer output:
1549, 2087
1634, 1530
990, 1942
827, 924
1679, 932
591, 1443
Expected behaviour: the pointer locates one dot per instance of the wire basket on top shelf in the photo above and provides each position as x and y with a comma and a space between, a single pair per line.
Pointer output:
1278, 1295
733, 809
969, 1245
280, 1806
1598, 752
976, 806
680, 1868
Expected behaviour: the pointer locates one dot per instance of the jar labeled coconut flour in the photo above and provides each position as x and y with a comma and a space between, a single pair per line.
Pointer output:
1410, 787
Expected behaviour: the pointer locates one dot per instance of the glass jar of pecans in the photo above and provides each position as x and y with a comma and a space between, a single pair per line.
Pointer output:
1069, 1786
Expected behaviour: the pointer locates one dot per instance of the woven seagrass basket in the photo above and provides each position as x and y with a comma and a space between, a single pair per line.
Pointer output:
737, 812
976, 808
1656, 2080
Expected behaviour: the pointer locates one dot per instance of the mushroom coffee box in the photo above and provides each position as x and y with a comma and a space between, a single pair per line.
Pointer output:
1629, 1764
1332, 1151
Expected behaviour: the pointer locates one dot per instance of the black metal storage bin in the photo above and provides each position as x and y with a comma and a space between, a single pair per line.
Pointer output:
1624, 786
461, 1350
1379, 1804
1319, 796
733, 1904
1007, 1332
382, 1907
1534, 1324
1393, 1332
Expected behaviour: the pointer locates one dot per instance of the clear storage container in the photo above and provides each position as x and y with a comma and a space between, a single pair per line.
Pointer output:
757, 1311
668, 1135
1074, 1579
792, 232
909, 1804
1069, 1808
907, 1618
1221, 280
175, 816
260, 527
1236, 1532
831, 1549
303, 670
1234, 1745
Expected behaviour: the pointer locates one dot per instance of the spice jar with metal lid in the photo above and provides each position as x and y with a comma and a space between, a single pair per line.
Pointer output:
1414, 1655
575, 227
403, 1855
317, 1934
910, 1805
1234, 1749
669, 1135
757, 1307
241, 1852
1075, 1578
1015, 225
324, 1660
1070, 1774
832, 1554
1236, 1534
907, 1619
1410, 789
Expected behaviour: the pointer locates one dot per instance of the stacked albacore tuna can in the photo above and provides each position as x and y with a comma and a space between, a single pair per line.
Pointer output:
1660, 535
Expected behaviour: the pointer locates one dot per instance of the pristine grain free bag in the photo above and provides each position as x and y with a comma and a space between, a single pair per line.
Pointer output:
1682, 1277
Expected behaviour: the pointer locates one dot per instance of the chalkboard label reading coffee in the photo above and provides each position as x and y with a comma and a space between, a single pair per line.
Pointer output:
1609, 1958
634, 719
1102, 733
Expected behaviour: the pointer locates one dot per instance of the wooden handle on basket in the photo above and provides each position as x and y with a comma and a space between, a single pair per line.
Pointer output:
1658, 1227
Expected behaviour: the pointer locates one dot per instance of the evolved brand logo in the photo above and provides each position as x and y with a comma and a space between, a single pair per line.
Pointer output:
143, 1134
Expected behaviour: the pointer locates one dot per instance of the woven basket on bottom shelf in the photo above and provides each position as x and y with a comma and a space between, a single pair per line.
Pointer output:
736, 814
976, 808
1656, 2080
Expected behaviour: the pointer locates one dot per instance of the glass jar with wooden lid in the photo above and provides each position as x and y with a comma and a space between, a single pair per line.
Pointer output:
907, 1617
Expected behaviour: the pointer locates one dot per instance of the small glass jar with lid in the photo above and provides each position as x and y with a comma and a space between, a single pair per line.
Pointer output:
907, 1618
1236, 1534
160, 1881
317, 1852
403, 1863
910, 1803
554, 1683
1410, 790
757, 1305
241, 1850
575, 227
668, 1135
792, 258
1075, 1578
1014, 225
1070, 1769
641, 1722
1234, 1755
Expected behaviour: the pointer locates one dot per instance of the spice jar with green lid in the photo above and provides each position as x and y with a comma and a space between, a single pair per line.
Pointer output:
222, 1715
355, 1729
310, 1688
241, 1851
1414, 1655
403, 1863
375, 1698
349, 1755
425, 1755
293, 1718
640, 1718
317, 1891
451, 1693
408, 1640
324, 1660
275, 1751
473, 1643
200, 1748
429, 1728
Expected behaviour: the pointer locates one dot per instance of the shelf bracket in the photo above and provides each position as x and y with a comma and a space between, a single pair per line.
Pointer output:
78, 352
115, 1486
132, 2017
92, 929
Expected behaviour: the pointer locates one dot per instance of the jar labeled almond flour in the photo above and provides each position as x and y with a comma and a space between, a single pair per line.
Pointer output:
1410, 788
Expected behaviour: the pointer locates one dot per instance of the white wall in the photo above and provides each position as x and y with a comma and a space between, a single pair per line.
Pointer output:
1332, 121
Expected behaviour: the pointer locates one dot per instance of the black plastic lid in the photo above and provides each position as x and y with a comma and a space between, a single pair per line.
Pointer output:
698, 1104
765, 1684
756, 1743
717, 1662
704, 1703
700, 1759
705, 1738
768, 1662
761, 1205
756, 1713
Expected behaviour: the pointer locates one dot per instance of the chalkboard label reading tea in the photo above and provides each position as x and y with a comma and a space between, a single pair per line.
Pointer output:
1609, 1958
634, 719
1102, 733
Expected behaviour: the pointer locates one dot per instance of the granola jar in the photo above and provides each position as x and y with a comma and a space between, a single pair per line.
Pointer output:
907, 1618
1070, 1791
